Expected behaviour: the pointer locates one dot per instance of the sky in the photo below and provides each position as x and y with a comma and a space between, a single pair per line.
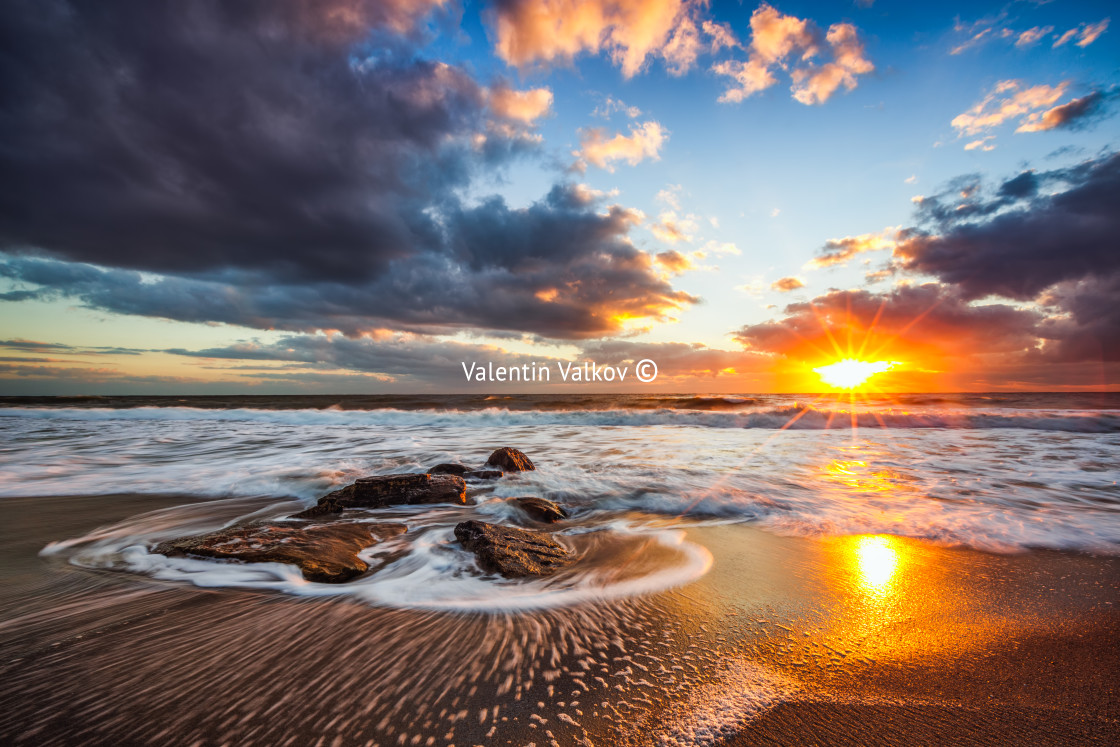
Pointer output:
349, 196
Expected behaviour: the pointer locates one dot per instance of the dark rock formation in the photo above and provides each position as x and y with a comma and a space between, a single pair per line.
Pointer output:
395, 490
483, 474
541, 509
325, 508
513, 553
327, 553
510, 460
449, 469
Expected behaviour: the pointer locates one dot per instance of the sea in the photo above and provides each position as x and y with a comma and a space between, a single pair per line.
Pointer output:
1002, 473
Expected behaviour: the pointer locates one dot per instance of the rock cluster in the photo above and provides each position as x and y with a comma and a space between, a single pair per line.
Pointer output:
325, 546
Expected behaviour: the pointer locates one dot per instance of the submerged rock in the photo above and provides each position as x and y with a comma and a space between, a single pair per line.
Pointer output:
514, 553
483, 474
541, 509
327, 553
510, 460
396, 490
449, 469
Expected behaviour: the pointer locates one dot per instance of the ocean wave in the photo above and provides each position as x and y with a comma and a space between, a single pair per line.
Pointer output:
781, 418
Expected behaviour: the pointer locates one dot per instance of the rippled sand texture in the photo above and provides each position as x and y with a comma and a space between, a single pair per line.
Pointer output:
784, 639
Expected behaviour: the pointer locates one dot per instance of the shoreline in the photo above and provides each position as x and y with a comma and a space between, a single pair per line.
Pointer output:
843, 640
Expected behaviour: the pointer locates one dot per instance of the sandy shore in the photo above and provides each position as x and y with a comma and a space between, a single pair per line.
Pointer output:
858, 640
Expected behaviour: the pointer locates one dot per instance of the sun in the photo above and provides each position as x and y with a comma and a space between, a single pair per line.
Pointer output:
850, 373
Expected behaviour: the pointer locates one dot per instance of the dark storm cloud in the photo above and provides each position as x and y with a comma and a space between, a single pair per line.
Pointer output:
1087, 326
1076, 114
1025, 238
557, 268
184, 137
284, 164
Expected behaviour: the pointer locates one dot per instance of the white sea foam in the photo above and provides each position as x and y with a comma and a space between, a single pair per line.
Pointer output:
433, 572
995, 488
791, 418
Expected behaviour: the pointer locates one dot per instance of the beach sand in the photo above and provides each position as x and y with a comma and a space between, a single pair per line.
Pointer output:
848, 640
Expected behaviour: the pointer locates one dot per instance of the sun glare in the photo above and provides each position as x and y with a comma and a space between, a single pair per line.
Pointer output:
849, 373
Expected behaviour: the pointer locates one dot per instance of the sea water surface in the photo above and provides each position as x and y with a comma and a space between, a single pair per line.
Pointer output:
1001, 473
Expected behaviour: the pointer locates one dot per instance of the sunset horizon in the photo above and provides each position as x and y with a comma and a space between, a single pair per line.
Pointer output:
580, 373
384, 190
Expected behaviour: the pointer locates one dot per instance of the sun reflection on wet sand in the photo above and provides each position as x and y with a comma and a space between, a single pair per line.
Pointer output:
878, 561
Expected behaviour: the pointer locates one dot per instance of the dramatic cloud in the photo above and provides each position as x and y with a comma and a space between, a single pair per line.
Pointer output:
785, 285
175, 138
970, 240
547, 31
556, 268
1006, 101
1073, 114
927, 323
779, 42
1044, 240
643, 142
292, 165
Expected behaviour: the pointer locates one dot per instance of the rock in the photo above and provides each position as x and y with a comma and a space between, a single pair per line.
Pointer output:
483, 474
327, 553
326, 507
395, 490
510, 460
541, 509
449, 469
514, 553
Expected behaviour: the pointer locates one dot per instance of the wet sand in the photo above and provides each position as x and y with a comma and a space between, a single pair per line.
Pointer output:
856, 640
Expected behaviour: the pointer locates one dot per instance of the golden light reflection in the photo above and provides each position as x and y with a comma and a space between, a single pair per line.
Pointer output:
854, 473
850, 373
877, 562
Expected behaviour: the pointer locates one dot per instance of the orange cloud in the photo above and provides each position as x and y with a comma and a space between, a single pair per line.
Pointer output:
983, 143
523, 107
1008, 100
644, 141
674, 262
779, 41
1030, 36
1066, 115
815, 86
1085, 33
671, 228
785, 285
534, 31
839, 251
934, 334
